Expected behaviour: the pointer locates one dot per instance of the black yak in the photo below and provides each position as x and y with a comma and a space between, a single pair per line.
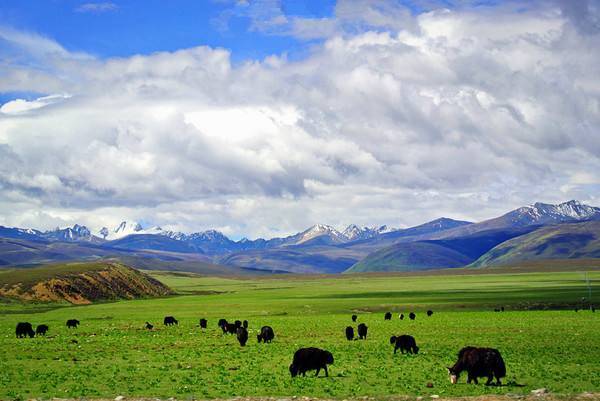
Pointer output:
221, 323
478, 362
310, 359
242, 335
362, 331
405, 343
170, 320
24, 329
412, 316
354, 317
388, 316
266, 334
429, 312
149, 326
238, 323
245, 324
401, 316
72, 323
41, 329
349, 333
203, 323
230, 328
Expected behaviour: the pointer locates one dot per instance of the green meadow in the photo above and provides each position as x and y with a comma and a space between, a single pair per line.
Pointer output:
543, 341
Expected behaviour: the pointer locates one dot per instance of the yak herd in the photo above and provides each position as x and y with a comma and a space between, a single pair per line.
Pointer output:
477, 362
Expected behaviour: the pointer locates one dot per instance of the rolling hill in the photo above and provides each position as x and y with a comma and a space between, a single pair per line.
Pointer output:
432, 254
79, 283
563, 241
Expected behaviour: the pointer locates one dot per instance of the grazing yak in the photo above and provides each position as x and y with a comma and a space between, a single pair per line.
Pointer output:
242, 336
349, 333
41, 329
310, 359
405, 343
170, 320
388, 316
229, 328
429, 312
401, 316
245, 324
238, 323
362, 331
412, 316
221, 323
266, 334
354, 317
72, 323
203, 323
149, 326
24, 329
478, 362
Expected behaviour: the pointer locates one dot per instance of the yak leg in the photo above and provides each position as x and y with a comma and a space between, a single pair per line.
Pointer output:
318, 370
489, 379
326, 372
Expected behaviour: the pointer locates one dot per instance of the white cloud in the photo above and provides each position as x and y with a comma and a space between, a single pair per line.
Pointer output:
100, 7
463, 113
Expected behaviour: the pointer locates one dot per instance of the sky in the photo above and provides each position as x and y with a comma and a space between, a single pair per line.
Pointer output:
261, 118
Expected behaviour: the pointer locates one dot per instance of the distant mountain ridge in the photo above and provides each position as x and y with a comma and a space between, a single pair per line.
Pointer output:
441, 242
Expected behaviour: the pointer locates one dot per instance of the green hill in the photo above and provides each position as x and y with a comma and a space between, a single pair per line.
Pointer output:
563, 241
410, 256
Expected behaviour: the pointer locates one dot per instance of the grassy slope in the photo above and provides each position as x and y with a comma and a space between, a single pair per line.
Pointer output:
563, 241
115, 355
410, 256
79, 283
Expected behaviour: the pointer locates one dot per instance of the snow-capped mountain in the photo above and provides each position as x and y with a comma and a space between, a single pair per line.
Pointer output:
354, 232
126, 228
70, 234
319, 230
544, 213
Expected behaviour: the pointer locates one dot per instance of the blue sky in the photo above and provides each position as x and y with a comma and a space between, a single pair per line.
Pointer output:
124, 27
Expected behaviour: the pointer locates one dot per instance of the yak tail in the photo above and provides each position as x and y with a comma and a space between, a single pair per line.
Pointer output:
501, 370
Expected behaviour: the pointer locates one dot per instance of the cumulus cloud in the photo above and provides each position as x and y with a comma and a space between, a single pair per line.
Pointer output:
462, 113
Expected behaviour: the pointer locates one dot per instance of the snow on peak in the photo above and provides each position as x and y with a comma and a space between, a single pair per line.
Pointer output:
572, 210
126, 228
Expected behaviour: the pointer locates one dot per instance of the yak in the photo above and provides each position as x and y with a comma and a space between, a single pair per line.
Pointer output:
354, 317
72, 323
24, 329
429, 312
412, 316
170, 320
149, 326
362, 331
388, 316
238, 323
242, 336
203, 323
222, 322
41, 329
245, 324
405, 343
349, 333
401, 316
310, 359
478, 362
266, 334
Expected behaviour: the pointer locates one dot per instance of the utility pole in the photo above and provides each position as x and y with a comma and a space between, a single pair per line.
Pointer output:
589, 286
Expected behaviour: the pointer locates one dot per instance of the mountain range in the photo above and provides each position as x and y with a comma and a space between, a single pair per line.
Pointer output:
441, 243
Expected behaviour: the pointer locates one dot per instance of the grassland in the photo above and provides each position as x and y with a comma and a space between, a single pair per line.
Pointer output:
111, 353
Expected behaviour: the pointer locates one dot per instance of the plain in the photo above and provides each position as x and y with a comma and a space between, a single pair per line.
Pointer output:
112, 354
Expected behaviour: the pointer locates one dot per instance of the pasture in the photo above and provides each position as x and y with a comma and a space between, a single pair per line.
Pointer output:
112, 354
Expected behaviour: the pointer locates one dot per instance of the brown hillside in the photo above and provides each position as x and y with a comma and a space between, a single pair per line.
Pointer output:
79, 283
